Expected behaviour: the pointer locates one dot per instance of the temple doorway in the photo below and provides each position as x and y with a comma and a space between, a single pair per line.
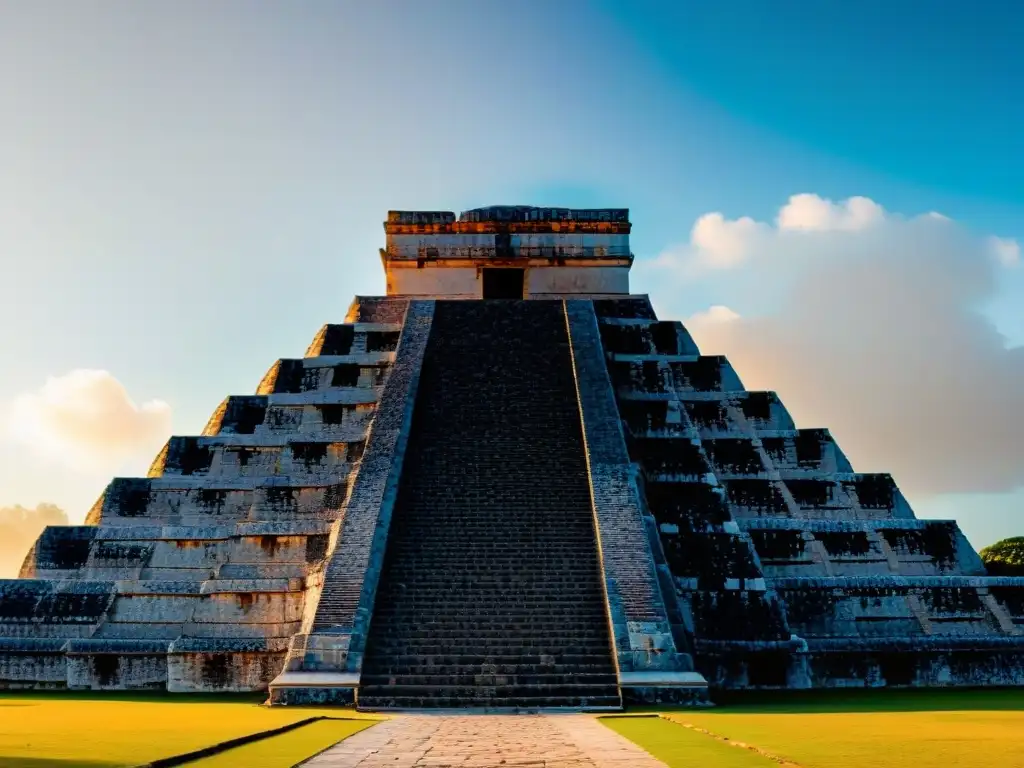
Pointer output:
504, 283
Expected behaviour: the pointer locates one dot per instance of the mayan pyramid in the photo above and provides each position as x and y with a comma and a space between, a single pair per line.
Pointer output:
505, 484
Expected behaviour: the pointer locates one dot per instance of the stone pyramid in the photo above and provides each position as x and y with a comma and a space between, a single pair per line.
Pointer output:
506, 484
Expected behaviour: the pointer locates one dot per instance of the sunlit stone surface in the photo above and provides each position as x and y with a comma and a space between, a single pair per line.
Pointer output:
505, 485
557, 741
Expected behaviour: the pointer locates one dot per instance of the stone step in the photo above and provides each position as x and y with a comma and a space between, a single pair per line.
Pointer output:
499, 612
568, 695
443, 611
392, 669
471, 622
446, 589
505, 606
420, 595
473, 545
458, 604
484, 563
458, 540
386, 701
542, 573
567, 690
502, 658
552, 579
483, 581
496, 609
574, 528
464, 615
470, 549
443, 679
541, 570
551, 646
459, 633
495, 584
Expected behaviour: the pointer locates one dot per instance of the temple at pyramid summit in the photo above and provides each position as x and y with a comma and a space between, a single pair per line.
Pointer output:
506, 484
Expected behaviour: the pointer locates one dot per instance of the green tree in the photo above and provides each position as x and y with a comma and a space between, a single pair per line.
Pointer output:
1005, 558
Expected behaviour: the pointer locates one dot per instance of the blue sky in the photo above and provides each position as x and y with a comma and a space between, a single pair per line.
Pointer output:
919, 92
188, 189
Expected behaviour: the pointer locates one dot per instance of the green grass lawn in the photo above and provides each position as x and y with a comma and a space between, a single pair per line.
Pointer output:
287, 749
678, 746
867, 729
60, 730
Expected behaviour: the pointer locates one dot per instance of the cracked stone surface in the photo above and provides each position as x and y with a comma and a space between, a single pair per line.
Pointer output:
481, 741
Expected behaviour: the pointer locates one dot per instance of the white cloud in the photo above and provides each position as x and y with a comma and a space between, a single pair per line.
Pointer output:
810, 213
722, 243
19, 528
713, 315
868, 323
1006, 250
86, 419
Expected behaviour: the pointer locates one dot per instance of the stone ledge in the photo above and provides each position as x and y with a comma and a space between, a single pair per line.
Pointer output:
88, 646
648, 678
316, 680
32, 644
314, 688
895, 582
837, 526
336, 475
228, 645
335, 396
865, 644
359, 358
932, 642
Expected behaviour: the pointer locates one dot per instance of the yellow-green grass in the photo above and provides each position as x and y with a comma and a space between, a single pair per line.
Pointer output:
60, 730
287, 749
678, 746
876, 729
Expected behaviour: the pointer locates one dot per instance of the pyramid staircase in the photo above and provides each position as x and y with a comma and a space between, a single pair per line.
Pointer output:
491, 592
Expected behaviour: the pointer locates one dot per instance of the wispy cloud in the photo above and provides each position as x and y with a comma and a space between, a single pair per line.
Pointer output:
1006, 250
86, 419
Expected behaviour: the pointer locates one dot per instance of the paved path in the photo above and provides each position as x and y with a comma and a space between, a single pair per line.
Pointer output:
482, 741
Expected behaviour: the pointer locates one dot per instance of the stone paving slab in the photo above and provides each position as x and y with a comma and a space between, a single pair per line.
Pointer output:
483, 741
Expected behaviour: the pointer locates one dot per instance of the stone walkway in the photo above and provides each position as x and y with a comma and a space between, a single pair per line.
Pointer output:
482, 741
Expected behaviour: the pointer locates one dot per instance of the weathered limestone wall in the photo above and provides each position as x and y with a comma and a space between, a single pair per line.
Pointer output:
793, 569
570, 281
117, 671
32, 663
224, 665
436, 282
324, 662
448, 281
651, 665
715, 576
477, 245
196, 577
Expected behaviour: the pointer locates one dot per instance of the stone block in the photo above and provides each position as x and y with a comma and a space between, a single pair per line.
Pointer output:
116, 671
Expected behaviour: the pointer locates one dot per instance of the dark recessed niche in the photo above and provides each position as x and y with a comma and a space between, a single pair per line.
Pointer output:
337, 340
333, 414
757, 405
